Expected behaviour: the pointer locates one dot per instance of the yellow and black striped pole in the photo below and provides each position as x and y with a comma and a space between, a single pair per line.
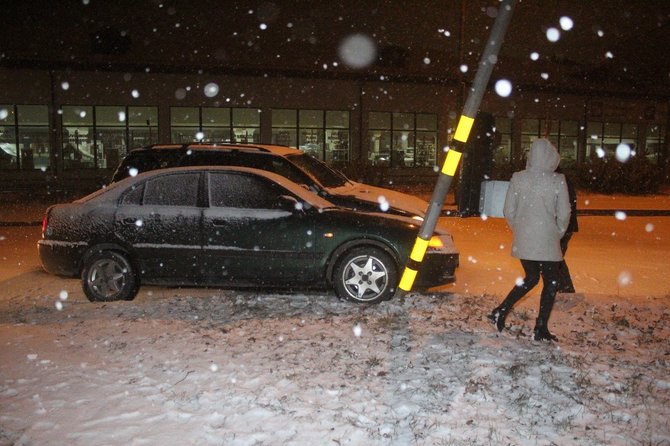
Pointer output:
486, 63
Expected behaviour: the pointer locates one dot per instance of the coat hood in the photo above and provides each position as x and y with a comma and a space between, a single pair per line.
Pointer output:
543, 156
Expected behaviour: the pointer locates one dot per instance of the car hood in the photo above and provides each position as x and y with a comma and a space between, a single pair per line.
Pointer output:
374, 194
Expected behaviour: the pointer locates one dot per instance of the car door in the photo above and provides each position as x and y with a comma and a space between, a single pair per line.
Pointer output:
252, 236
161, 221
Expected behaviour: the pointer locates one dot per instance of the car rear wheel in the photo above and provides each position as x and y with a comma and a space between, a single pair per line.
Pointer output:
109, 276
366, 275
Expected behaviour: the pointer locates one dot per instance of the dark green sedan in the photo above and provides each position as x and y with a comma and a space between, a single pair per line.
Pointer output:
231, 226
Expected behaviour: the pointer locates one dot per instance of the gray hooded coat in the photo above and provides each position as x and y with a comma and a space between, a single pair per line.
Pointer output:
537, 206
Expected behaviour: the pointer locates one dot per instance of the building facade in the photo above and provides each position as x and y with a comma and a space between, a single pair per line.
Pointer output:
69, 129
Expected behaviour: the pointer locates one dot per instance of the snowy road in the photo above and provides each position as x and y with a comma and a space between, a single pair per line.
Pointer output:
225, 367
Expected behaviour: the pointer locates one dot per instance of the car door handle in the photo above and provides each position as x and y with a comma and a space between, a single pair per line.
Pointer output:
129, 221
218, 222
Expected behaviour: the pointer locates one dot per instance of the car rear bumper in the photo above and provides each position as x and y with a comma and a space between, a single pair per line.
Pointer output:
61, 258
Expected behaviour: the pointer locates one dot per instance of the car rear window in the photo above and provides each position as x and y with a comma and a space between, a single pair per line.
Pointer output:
146, 160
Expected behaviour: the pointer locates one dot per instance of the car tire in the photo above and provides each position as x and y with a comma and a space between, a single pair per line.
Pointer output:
366, 275
108, 276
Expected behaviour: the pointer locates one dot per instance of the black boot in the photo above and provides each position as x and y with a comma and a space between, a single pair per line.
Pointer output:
497, 317
541, 333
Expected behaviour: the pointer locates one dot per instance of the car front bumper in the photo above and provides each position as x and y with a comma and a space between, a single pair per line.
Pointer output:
437, 269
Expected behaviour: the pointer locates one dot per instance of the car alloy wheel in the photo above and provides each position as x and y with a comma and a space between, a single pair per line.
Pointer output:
109, 276
366, 275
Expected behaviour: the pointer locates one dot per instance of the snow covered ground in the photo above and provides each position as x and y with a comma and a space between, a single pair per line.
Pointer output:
231, 367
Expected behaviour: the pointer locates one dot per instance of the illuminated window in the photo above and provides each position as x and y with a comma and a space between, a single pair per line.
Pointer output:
502, 149
563, 134
323, 134
99, 136
215, 124
24, 137
654, 142
602, 138
402, 139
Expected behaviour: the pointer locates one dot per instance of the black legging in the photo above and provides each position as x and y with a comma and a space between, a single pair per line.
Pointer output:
533, 269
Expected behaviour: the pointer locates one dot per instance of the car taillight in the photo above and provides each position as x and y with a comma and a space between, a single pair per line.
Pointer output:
45, 220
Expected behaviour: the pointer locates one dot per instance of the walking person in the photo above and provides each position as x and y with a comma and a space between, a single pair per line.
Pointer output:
537, 209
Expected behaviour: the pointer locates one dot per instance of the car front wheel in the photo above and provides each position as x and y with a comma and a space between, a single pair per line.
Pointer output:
109, 276
366, 275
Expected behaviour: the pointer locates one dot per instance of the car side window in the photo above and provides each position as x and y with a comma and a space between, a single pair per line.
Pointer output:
133, 195
236, 190
180, 189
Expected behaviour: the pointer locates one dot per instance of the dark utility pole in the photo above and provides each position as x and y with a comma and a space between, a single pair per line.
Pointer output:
486, 63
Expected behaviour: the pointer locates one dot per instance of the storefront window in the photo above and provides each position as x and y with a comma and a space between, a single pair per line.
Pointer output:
8, 143
246, 125
602, 139
379, 138
142, 126
337, 136
323, 134
32, 137
100, 136
214, 124
502, 146
185, 124
311, 130
563, 134
402, 139
285, 127
426, 140
78, 137
110, 134
24, 137
654, 142
568, 138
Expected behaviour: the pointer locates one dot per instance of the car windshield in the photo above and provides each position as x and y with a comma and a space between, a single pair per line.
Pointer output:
325, 175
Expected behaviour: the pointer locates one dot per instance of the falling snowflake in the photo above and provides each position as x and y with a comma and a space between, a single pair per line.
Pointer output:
383, 203
211, 90
553, 34
358, 51
623, 152
625, 278
503, 88
566, 23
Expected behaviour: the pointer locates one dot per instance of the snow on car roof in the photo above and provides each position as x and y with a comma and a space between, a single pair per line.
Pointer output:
272, 148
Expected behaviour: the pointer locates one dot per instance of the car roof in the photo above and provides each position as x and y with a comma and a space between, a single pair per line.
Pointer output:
266, 148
